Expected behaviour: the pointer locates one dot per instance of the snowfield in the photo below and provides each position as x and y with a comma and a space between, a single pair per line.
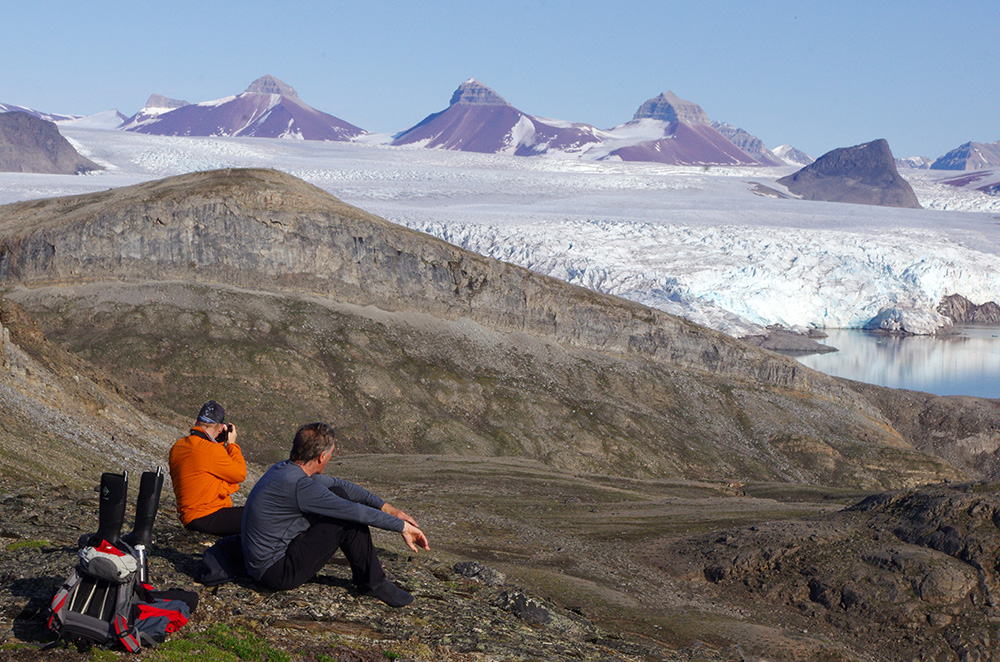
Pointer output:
693, 241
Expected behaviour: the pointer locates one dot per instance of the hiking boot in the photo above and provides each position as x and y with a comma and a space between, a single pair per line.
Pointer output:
146, 505
390, 594
111, 507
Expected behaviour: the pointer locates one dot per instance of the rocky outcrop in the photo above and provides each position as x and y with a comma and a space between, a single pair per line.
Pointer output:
864, 174
30, 144
668, 107
963, 311
749, 143
898, 576
474, 92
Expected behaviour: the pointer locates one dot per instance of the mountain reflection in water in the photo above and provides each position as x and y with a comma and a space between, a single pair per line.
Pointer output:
964, 364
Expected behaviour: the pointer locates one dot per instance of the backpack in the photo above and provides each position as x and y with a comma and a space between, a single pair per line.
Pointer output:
103, 603
222, 562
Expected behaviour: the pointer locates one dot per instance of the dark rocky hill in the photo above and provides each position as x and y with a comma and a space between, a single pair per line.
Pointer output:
863, 174
31, 144
297, 306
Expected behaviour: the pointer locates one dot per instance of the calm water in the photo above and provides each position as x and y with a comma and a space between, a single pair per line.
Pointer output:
965, 364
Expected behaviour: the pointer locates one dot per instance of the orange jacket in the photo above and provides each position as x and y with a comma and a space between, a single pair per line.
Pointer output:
204, 473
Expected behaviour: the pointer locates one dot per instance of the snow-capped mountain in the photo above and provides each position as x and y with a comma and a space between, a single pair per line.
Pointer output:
156, 105
668, 129
108, 119
665, 129
915, 162
268, 108
50, 117
970, 156
480, 120
792, 156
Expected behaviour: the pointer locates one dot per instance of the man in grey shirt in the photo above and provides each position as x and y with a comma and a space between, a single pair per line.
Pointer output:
295, 518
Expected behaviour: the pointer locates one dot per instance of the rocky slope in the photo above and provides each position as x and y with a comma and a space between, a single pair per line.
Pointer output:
295, 305
478, 119
962, 311
31, 144
863, 174
970, 156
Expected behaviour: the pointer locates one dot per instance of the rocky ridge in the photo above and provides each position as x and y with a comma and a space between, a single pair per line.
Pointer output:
962, 311
158, 262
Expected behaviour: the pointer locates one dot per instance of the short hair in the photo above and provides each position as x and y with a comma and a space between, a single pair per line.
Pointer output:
311, 440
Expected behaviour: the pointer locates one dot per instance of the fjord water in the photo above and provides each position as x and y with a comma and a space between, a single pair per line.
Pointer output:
967, 363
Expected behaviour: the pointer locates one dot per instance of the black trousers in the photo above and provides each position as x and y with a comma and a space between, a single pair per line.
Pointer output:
310, 550
223, 522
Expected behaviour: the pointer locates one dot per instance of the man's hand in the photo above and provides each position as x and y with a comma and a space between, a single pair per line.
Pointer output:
396, 512
231, 439
415, 538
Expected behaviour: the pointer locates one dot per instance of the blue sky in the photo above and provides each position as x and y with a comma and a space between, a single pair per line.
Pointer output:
817, 75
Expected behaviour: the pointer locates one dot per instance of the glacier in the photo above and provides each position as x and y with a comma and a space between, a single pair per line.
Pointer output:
693, 241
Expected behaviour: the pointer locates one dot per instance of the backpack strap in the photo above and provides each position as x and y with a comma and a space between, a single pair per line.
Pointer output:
126, 635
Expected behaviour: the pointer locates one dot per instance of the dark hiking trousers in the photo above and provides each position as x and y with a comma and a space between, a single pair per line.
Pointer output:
310, 550
223, 522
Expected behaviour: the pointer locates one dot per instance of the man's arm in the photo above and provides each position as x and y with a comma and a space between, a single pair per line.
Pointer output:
315, 497
396, 512
228, 463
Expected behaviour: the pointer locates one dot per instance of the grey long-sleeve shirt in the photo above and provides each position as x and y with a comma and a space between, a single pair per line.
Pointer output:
277, 507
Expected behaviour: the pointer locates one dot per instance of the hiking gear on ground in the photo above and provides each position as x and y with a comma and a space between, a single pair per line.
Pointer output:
105, 561
146, 505
222, 562
95, 611
111, 507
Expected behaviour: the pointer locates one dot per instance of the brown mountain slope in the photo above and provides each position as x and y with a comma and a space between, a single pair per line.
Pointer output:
260, 290
31, 144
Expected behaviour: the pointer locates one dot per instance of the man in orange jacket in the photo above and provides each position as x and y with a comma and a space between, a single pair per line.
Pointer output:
206, 468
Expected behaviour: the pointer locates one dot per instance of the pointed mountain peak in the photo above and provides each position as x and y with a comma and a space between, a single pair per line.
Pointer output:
160, 101
474, 92
669, 107
271, 85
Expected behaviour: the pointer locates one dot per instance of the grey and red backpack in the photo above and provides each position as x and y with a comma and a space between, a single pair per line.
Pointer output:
106, 599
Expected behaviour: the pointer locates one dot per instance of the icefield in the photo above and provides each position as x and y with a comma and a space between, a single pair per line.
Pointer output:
694, 241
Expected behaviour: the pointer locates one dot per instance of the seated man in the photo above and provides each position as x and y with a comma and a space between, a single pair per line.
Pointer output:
206, 468
296, 518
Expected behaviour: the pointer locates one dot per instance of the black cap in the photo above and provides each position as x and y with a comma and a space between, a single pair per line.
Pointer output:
212, 412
